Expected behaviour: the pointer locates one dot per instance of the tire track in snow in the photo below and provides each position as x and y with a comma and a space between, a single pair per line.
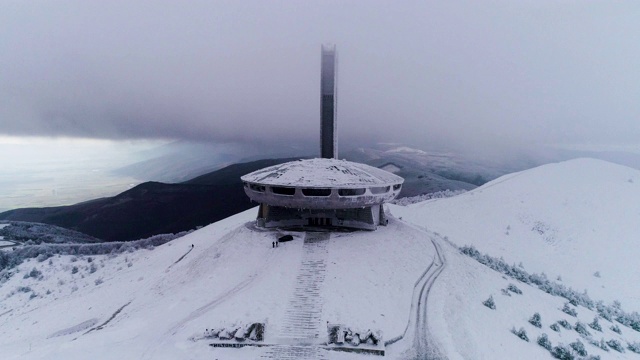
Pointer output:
417, 330
423, 342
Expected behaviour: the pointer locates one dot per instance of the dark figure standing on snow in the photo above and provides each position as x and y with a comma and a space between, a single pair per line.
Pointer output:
276, 243
192, 246
273, 244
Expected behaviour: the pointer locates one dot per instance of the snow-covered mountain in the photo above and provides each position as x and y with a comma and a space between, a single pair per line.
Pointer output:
408, 281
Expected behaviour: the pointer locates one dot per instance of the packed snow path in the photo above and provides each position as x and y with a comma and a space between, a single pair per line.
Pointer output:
302, 321
424, 347
417, 331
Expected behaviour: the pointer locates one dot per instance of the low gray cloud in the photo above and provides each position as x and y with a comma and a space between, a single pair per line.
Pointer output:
465, 72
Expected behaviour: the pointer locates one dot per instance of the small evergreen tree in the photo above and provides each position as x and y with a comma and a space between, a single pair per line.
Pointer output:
565, 324
578, 346
616, 328
522, 334
569, 310
489, 303
562, 352
615, 345
603, 345
595, 325
543, 340
535, 320
555, 327
582, 330
634, 347
514, 289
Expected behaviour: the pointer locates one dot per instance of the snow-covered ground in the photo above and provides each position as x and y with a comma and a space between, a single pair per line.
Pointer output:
569, 219
231, 275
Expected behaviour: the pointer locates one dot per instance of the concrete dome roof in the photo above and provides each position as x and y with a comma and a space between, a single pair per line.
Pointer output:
322, 173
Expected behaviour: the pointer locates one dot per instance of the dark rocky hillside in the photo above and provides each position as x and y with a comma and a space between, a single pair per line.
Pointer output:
153, 208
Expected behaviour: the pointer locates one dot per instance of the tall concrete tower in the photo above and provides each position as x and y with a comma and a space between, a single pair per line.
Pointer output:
328, 108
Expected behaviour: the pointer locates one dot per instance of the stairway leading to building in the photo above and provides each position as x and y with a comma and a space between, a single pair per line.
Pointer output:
303, 327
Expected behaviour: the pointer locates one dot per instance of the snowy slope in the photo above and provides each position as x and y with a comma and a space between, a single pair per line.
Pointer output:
408, 280
570, 219
232, 275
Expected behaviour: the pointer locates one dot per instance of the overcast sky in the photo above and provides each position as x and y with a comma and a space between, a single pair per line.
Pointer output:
465, 72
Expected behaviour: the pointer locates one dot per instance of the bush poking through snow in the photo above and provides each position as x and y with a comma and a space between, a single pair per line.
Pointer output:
603, 345
489, 303
543, 340
514, 289
616, 329
582, 330
615, 345
505, 292
522, 333
578, 346
535, 320
555, 327
595, 325
562, 352
569, 310
565, 324
634, 347
34, 273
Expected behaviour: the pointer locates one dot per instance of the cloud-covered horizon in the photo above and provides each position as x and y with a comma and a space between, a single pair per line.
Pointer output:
466, 72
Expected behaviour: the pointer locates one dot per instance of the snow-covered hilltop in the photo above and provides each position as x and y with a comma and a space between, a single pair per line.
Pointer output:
408, 283
571, 219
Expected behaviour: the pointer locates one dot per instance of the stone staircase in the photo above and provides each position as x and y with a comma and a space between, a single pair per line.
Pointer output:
302, 321
289, 352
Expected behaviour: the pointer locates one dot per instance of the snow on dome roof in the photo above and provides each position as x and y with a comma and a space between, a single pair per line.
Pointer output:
322, 173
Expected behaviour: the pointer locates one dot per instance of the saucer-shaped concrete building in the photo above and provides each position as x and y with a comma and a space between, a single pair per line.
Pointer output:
323, 192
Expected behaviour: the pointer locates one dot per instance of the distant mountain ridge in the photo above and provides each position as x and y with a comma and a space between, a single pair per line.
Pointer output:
155, 208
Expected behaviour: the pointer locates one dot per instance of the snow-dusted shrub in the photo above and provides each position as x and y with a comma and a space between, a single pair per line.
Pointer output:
578, 346
540, 280
543, 340
582, 330
616, 328
595, 325
562, 352
92, 268
535, 320
434, 195
24, 289
99, 281
34, 273
569, 310
602, 345
505, 292
44, 251
634, 347
555, 327
630, 320
596, 274
74, 270
489, 303
522, 333
514, 289
615, 345
565, 324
